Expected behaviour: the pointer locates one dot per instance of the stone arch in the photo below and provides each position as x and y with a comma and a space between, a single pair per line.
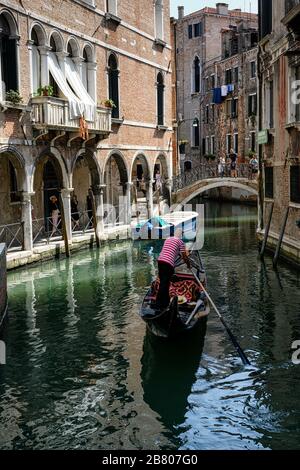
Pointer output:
115, 177
162, 160
13, 25
40, 32
121, 163
73, 47
92, 163
58, 163
140, 158
212, 184
12, 183
58, 40
49, 176
89, 51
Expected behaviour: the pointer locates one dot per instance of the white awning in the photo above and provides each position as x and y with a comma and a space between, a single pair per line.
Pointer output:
77, 107
75, 81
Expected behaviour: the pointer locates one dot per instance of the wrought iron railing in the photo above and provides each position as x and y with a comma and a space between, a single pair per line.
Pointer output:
82, 222
45, 230
115, 216
209, 171
51, 112
12, 235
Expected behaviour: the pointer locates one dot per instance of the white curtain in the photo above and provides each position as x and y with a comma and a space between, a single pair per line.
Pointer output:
36, 69
75, 81
77, 106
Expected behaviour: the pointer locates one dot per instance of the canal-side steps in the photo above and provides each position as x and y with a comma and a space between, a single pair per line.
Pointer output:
56, 249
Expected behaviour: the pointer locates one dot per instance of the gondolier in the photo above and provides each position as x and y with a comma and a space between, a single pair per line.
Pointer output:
173, 248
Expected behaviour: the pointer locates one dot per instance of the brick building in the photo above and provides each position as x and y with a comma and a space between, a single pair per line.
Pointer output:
70, 61
231, 121
279, 62
198, 47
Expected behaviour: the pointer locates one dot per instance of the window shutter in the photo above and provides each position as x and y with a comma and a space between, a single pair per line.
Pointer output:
295, 184
269, 182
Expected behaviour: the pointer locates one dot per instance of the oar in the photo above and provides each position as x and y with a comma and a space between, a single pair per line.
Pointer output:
231, 335
199, 304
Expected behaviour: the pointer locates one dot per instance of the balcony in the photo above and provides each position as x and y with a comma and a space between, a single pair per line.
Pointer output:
53, 113
292, 16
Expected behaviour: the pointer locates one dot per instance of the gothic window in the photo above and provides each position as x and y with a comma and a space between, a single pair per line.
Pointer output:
160, 99
8, 55
196, 75
196, 130
113, 80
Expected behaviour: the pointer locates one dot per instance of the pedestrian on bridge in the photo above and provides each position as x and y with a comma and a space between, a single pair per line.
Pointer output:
233, 164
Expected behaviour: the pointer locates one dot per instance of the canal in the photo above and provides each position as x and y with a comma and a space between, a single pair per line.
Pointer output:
82, 373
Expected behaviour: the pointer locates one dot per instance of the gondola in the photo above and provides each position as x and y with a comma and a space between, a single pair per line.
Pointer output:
188, 305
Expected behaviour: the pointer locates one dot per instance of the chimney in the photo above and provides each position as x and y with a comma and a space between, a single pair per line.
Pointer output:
222, 9
180, 13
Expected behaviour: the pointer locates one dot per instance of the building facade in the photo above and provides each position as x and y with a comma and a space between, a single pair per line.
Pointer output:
85, 110
199, 50
279, 64
230, 121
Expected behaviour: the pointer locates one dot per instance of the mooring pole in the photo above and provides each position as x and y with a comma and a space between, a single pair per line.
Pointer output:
276, 257
64, 228
263, 248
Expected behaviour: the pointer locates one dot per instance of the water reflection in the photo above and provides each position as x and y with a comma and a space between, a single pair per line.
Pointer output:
169, 372
82, 374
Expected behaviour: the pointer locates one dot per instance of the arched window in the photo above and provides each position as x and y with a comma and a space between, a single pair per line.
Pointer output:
112, 7
36, 61
55, 47
85, 75
187, 165
8, 52
196, 133
196, 75
160, 99
159, 29
113, 81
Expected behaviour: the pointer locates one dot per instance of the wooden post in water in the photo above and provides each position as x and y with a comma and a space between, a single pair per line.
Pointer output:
94, 211
63, 224
262, 251
276, 257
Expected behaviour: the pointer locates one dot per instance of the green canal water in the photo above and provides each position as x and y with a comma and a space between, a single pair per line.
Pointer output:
82, 373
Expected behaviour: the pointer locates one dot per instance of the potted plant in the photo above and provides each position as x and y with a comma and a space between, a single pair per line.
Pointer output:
46, 90
109, 103
13, 96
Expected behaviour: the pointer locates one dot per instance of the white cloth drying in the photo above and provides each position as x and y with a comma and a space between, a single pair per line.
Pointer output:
86, 100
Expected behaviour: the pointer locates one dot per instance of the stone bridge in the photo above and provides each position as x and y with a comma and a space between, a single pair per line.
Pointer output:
193, 183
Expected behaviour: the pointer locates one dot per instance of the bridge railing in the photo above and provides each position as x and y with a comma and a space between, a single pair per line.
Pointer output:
208, 171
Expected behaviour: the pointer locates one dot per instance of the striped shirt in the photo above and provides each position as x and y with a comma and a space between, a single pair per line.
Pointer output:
172, 248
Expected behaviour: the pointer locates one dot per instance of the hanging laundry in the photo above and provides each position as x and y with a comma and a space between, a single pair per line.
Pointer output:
230, 88
224, 90
217, 96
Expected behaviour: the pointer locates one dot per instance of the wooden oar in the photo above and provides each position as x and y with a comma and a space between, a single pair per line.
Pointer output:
230, 334
199, 304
